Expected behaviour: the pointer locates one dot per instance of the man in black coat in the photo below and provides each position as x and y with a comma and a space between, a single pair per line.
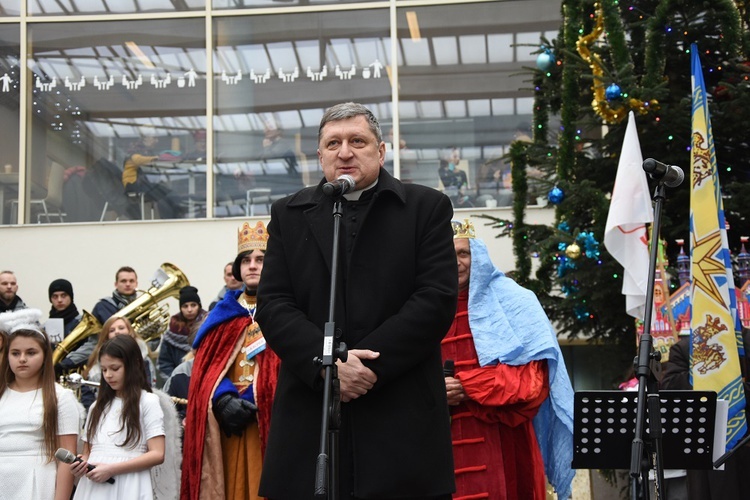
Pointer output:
396, 298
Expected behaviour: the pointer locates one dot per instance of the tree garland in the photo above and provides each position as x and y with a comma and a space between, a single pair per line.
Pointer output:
569, 95
611, 110
732, 39
518, 162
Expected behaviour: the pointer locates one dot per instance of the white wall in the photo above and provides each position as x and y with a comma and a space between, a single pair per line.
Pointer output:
88, 254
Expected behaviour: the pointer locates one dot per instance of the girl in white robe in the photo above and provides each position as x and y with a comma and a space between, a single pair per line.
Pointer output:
124, 435
37, 416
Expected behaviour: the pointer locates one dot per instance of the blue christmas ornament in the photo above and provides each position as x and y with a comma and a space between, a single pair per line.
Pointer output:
545, 60
591, 246
613, 92
556, 195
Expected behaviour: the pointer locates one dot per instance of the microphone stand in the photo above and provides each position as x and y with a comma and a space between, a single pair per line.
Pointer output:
639, 456
326, 469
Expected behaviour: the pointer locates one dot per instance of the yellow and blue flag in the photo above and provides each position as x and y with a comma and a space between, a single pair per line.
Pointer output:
715, 329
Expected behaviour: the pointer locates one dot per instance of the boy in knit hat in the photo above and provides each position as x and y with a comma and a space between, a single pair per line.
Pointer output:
63, 306
175, 343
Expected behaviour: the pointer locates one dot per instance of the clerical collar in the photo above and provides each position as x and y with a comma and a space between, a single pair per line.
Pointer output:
355, 195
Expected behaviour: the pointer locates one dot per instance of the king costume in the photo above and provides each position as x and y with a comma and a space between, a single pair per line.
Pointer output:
231, 358
517, 419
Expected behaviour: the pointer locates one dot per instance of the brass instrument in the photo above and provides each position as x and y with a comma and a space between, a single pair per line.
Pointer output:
149, 318
74, 381
88, 326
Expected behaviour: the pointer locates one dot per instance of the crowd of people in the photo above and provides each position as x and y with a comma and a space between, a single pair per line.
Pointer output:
416, 293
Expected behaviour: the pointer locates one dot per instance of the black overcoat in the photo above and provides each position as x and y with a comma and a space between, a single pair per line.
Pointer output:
398, 297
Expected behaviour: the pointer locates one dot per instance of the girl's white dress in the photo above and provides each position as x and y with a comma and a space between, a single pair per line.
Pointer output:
104, 449
24, 471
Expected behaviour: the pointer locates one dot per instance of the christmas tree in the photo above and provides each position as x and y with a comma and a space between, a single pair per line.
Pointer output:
609, 58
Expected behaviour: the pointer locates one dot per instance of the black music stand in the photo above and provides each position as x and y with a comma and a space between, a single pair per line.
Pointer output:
604, 426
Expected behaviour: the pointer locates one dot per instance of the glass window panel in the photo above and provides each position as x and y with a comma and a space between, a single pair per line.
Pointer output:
407, 110
83, 7
341, 52
500, 47
525, 105
430, 109
10, 74
369, 52
266, 143
226, 59
256, 4
455, 109
473, 49
122, 107
526, 45
503, 106
471, 153
308, 54
10, 7
446, 50
551, 35
283, 55
460, 111
415, 53
479, 107
311, 117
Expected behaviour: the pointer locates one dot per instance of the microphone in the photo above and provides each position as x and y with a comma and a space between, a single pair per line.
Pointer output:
671, 175
449, 368
339, 187
67, 457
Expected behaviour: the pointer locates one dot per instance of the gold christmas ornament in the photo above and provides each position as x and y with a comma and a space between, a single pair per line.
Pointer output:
573, 251
609, 113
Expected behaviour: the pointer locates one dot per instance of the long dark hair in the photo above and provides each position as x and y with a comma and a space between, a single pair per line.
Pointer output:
46, 383
125, 348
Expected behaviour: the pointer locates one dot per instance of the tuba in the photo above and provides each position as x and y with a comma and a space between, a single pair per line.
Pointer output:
88, 326
147, 313
149, 318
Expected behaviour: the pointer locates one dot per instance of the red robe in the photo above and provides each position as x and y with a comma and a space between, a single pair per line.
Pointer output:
202, 442
495, 451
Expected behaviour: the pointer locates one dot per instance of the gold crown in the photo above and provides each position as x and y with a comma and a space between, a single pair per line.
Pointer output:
249, 239
463, 230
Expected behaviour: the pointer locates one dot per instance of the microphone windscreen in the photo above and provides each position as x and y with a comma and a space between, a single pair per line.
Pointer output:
65, 456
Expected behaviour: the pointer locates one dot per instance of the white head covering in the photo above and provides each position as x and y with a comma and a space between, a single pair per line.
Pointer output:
23, 319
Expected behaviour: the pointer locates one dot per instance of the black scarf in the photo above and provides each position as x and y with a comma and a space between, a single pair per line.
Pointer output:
4, 307
68, 314
123, 300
